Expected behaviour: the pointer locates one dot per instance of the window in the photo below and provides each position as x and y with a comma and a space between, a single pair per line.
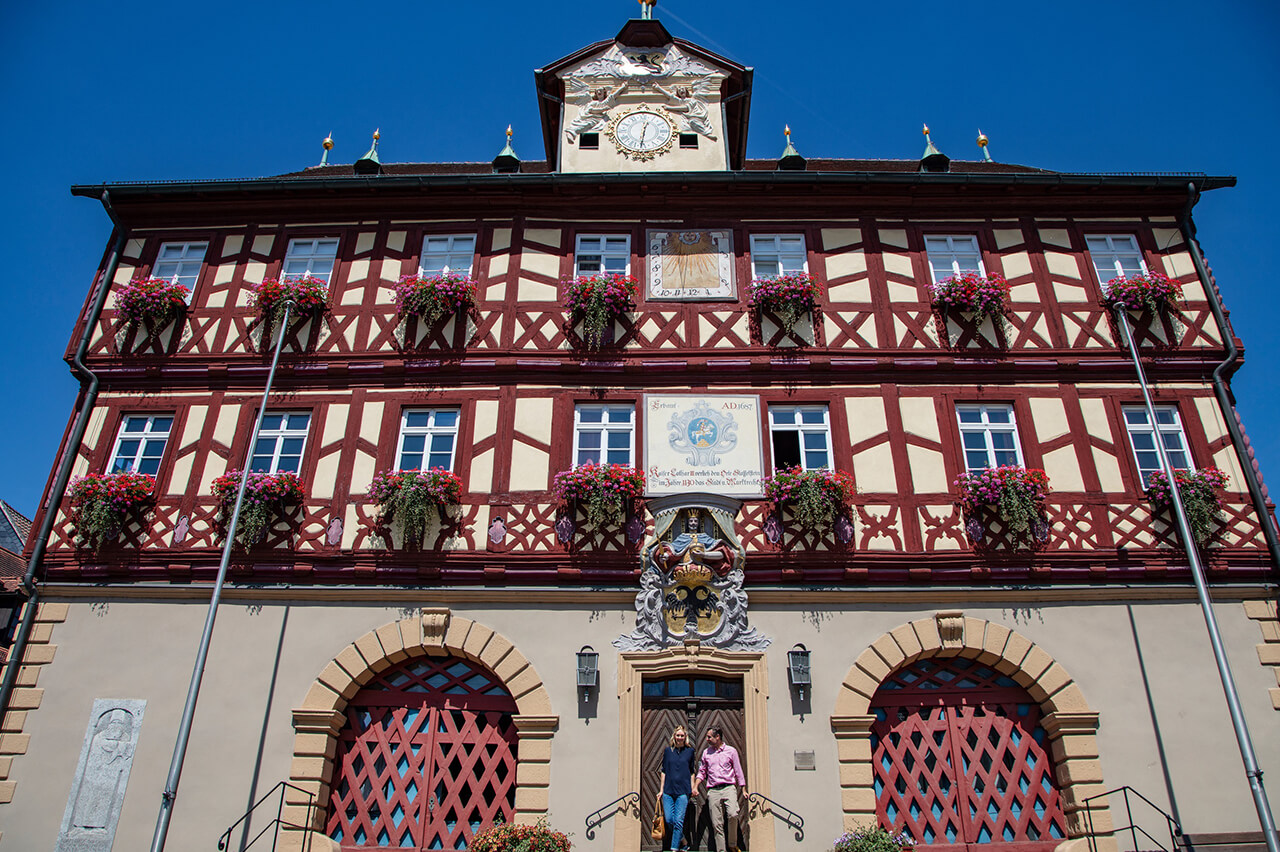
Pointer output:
589, 141
688, 140
602, 254
1143, 439
772, 256
989, 436
952, 256
603, 434
801, 436
280, 442
442, 254
310, 257
179, 262
1115, 257
428, 437
140, 444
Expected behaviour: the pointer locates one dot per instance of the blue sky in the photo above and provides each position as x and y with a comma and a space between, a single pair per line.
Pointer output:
152, 91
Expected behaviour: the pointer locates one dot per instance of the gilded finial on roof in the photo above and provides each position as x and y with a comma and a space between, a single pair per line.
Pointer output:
982, 143
926, 131
646, 9
370, 163
790, 159
327, 144
508, 134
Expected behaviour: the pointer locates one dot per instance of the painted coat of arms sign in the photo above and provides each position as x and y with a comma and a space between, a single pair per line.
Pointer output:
703, 443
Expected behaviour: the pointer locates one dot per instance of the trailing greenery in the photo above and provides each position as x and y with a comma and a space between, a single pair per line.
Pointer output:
1201, 493
597, 300
1017, 494
155, 300
507, 837
266, 495
815, 496
873, 839
605, 490
788, 297
1152, 291
101, 503
410, 496
308, 292
430, 297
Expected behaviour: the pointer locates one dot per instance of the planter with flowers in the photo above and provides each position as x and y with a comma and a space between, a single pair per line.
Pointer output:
873, 839
267, 496
607, 492
1015, 494
429, 298
1151, 292
1201, 493
101, 503
596, 301
816, 498
787, 298
310, 295
508, 837
984, 297
152, 302
410, 497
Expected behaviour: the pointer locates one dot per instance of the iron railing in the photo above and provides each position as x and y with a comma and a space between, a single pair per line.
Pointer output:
276, 822
629, 801
779, 812
1175, 830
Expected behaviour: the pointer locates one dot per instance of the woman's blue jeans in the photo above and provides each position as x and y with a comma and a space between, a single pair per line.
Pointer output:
673, 811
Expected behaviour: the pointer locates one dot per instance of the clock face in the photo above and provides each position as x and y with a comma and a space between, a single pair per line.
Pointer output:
643, 133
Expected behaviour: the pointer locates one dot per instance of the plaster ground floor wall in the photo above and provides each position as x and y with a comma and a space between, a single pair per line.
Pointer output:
1140, 660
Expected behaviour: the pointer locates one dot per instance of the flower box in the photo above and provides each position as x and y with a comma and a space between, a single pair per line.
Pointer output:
972, 293
607, 491
311, 294
266, 497
102, 502
787, 297
596, 301
154, 301
431, 297
872, 839
816, 497
1014, 493
1201, 493
410, 496
509, 837
1151, 292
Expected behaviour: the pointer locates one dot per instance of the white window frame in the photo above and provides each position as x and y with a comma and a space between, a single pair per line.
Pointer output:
148, 435
1165, 430
428, 432
986, 428
603, 253
185, 267
605, 427
1111, 255
936, 255
802, 429
279, 436
314, 251
451, 253
789, 258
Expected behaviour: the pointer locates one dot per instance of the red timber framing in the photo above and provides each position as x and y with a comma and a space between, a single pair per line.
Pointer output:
876, 341
960, 759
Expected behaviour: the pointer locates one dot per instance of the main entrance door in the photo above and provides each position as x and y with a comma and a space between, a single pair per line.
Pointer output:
960, 759
427, 758
697, 703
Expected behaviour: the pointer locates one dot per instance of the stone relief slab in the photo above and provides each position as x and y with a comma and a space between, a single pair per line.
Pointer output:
696, 442
97, 792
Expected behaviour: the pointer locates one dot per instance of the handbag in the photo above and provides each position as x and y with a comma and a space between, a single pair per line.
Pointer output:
659, 829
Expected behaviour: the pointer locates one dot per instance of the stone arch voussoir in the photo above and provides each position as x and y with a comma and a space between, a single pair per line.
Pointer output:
1067, 719
435, 631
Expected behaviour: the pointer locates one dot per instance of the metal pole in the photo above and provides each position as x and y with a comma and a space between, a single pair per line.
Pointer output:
1251, 769
197, 672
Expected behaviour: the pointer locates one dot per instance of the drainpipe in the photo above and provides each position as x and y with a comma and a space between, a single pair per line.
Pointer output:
1220, 372
202, 654
89, 382
1253, 773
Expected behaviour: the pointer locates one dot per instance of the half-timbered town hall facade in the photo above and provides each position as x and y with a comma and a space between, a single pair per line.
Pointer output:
911, 659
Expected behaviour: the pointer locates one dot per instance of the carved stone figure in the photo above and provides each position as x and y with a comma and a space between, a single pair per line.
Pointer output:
691, 107
594, 106
97, 794
694, 547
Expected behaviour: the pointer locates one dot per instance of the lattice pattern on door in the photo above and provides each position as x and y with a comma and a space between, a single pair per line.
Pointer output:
960, 758
427, 758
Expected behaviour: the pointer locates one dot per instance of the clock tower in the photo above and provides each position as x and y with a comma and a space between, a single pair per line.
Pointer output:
644, 102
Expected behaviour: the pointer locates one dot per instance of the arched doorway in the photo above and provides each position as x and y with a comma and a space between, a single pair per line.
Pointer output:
426, 757
960, 758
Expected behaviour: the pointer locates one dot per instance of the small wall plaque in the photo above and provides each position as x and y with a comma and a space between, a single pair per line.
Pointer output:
805, 761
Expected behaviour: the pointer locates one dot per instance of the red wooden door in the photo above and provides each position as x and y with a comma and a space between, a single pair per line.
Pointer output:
960, 759
427, 758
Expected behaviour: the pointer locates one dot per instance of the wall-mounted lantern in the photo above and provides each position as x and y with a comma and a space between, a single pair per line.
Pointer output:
798, 669
588, 670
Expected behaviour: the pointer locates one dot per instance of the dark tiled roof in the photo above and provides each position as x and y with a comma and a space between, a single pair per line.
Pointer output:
14, 528
12, 570
539, 167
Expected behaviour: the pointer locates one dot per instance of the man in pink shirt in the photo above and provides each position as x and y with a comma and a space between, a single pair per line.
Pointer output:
721, 770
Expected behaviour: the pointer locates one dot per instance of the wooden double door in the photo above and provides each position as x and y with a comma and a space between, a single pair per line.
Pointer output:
698, 703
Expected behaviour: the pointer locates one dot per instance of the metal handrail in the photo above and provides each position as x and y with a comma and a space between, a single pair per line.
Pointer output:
599, 815
1175, 830
277, 822
780, 812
